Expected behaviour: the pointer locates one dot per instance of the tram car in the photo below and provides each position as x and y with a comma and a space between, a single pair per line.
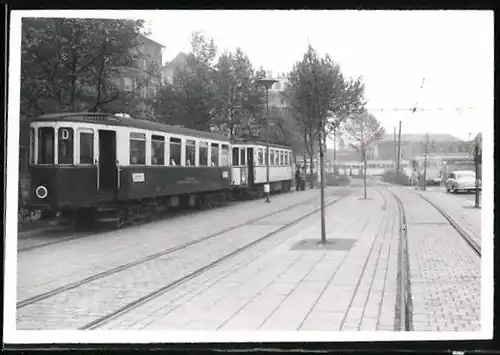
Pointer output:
107, 167
249, 169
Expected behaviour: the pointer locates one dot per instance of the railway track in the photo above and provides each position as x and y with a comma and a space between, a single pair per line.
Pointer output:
98, 322
403, 319
150, 257
54, 230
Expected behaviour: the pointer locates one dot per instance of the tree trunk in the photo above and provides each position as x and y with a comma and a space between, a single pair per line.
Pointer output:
364, 174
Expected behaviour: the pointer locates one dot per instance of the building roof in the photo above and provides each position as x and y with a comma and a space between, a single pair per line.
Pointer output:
417, 138
151, 40
180, 58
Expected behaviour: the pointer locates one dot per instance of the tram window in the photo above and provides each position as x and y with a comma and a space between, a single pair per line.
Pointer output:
242, 156
32, 145
272, 157
260, 157
46, 145
281, 158
86, 147
236, 156
157, 150
214, 155
175, 151
203, 153
137, 148
65, 145
190, 153
225, 155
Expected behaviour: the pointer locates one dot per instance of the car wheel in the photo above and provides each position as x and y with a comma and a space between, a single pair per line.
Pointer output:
453, 190
448, 189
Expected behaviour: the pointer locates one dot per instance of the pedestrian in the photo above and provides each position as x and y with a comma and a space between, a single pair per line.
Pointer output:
303, 179
297, 179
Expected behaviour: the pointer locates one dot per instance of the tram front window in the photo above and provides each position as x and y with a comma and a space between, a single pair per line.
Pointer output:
46, 145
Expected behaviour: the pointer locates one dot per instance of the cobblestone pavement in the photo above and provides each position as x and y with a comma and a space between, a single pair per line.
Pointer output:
460, 210
41, 270
75, 308
277, 286
445, 271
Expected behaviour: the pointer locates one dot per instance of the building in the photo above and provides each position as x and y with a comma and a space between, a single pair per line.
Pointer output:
169, 70
414, 144
145, 76
277, 90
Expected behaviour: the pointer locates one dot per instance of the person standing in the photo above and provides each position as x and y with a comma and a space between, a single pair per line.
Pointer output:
297, 179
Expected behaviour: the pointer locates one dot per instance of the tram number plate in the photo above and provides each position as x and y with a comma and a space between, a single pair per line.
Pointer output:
138, 177
225, 174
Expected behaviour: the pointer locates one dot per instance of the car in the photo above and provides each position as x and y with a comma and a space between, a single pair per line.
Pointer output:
461, 180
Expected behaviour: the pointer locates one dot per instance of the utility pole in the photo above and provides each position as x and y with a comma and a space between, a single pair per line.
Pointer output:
476, 165
398, 161
363, 155
395, 148
425, 161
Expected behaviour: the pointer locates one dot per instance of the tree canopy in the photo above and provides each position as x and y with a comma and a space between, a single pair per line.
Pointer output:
320, 98
70, 64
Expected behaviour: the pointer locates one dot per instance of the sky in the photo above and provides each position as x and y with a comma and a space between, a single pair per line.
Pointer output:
451, 52
394, 52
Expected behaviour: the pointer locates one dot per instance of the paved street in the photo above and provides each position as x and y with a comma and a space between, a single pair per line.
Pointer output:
285, 282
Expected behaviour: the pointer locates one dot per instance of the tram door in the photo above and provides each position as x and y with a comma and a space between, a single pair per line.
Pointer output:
107, 161
250, 166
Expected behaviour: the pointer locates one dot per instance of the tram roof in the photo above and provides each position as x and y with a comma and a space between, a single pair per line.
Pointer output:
114, 120
249, 141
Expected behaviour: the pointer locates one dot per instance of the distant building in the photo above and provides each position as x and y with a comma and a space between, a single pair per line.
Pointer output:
168, 71
147, 70
414, 144
277, 90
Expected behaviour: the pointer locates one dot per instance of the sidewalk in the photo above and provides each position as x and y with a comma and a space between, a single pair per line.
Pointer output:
461, 210
289, 282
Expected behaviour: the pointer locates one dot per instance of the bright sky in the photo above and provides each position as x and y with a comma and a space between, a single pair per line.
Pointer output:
392, 50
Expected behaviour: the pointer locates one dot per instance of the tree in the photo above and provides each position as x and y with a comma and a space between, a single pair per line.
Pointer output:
237, 99
189, 100
70, 64
363, 130
320, 99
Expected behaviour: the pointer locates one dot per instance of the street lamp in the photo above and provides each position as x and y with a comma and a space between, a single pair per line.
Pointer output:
267, 83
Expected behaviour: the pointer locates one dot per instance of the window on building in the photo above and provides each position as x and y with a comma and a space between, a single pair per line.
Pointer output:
143, 64
214, 155
157, 150
65, 145
225, 155
236, 156
203, 153
137, 148
277, 85
86, 147
260, 157
32, 145
242, 156
128, 84
175, 151
46, 145
190, 152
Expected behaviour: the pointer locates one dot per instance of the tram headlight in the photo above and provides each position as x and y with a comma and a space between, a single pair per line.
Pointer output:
41, 192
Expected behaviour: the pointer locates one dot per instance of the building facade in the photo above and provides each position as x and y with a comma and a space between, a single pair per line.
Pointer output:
414, 144
168, 71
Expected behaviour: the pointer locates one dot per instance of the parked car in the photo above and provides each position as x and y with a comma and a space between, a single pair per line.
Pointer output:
461, 180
